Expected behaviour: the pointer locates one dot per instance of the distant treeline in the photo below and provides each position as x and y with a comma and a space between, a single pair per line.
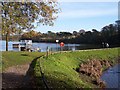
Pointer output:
108, 34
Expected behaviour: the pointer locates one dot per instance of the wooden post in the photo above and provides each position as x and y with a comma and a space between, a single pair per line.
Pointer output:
7, 39
47, 53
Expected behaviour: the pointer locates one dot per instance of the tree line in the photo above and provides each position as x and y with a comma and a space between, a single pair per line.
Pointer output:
108, 34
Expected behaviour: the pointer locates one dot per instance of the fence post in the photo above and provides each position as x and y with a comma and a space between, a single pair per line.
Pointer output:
47, 53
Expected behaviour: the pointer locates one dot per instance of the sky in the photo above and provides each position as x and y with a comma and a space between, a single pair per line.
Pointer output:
75, 16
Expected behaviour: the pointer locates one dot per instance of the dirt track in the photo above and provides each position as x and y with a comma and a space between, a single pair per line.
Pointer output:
16, 77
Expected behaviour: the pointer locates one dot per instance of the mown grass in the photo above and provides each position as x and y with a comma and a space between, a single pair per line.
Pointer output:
11, 58
60, 68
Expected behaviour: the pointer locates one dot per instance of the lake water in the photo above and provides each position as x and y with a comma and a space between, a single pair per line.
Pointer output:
53, 46
112, 77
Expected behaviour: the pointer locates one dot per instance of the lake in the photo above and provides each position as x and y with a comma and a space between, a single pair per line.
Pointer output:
111, 77
53, 46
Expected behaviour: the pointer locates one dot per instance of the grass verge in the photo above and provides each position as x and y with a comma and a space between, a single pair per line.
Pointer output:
11, 58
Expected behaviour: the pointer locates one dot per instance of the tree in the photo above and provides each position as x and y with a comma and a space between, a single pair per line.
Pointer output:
75, 33
82, 31
96, 37
21, 16
109, 33
29, 35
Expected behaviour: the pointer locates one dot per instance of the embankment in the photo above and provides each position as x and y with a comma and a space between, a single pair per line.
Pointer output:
60, 69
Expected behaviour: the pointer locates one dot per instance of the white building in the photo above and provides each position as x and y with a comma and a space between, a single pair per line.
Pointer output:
23, 45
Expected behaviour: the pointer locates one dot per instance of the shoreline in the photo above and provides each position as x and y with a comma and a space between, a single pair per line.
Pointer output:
95, 79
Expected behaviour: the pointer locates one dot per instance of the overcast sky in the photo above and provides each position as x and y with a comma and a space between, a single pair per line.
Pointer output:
83, 15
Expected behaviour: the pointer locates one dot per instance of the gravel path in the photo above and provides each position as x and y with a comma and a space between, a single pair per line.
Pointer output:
17, 77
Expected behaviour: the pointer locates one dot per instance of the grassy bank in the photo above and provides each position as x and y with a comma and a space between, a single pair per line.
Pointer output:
60, 68
18, 58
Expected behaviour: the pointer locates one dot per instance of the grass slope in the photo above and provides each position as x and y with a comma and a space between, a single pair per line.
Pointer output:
18, 58
59, 69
